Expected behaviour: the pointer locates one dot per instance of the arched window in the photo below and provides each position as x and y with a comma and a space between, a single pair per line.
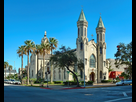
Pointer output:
100, 50
64, 73
81, 45
100, 74
97, 37
81, 73
78, 32
54, 74
32, 73
59, 74
92, 61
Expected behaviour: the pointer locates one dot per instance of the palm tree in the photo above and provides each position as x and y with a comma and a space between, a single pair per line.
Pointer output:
29, 47
10, 68
45, 48
6, 64
53, 45
38, 49
21, 52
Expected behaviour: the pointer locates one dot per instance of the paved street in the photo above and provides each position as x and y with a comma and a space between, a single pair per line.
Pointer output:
17, 93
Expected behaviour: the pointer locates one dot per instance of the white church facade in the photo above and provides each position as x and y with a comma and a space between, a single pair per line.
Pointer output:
93, 54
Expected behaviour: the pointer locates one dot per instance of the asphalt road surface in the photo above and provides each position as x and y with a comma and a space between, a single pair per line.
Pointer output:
17, 93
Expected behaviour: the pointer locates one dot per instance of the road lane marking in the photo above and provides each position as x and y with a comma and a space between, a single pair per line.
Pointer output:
125, 94
117, 99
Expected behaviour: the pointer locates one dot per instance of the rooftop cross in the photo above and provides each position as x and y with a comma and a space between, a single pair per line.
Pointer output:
92, 36
82, 7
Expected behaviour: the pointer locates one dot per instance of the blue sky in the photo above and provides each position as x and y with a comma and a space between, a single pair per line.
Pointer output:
29, 19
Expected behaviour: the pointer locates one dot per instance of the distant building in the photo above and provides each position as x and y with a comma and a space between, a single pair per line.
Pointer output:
11, 72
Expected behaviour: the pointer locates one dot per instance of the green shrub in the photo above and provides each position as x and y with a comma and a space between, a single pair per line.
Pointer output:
58, 82
106, 81
89, 82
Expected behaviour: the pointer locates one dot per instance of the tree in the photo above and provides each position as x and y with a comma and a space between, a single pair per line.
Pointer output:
45, 48
38, 49
21, 52
6, 64
126, 76
10, 68
124, 56
66, 58
53, 45
29, 48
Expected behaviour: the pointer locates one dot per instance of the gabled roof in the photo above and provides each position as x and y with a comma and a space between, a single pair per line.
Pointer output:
82, 16
100, 23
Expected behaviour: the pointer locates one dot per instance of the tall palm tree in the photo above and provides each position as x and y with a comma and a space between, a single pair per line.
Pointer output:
21, 52
10, 68
6, 64
53, 45
29, 48
45, 48
37, 51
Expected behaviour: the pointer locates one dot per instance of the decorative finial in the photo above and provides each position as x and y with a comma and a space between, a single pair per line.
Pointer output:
82, 7
92, 36
100, 14
45, 33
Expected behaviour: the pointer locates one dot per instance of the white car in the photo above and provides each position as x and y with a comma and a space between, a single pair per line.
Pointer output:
11, 81
17, 82
124, 82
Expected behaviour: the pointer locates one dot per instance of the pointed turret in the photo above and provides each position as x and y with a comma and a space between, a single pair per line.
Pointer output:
100, 23
82, 16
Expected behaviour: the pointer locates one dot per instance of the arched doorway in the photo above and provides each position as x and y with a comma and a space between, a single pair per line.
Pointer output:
92, 76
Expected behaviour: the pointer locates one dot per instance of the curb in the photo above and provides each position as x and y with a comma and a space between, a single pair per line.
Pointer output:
45, 88
73, 88
101, 86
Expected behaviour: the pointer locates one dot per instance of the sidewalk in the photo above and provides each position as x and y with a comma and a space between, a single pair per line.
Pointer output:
60, 87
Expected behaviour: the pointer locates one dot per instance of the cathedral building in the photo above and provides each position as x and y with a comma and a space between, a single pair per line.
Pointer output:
93, 54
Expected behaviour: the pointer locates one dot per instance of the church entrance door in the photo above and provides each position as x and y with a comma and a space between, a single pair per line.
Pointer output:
92, 76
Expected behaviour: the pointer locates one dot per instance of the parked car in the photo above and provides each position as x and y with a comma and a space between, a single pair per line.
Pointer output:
6, 80
124, 82
11, 81
17, 82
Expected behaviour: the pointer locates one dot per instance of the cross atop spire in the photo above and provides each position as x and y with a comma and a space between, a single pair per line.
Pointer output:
82, 7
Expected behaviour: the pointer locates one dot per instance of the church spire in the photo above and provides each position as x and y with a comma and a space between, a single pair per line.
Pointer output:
82, 16
100, 23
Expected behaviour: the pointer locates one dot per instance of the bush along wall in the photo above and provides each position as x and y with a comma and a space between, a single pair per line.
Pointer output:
106, 81
58, 82
80, 82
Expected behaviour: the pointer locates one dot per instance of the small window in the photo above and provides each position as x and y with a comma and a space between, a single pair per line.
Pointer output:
81, 45
78, 32
97, 37
100, 50
100, 74
81, 73
32, 73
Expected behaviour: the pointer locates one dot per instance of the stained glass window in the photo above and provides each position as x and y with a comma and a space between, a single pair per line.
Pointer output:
92, 61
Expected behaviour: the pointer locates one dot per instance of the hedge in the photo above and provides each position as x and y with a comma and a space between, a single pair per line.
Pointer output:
75, 83
58, 82
106, 81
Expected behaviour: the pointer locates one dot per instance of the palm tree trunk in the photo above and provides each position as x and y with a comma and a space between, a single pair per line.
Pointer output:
22, 65
51, 73
37, 66
28, 69
43, 66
